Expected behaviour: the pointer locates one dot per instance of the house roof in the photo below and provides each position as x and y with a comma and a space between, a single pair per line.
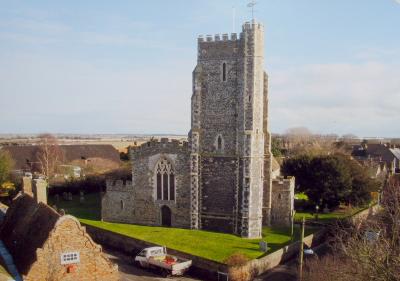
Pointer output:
26, 227
396, 152
375, 150
23, 154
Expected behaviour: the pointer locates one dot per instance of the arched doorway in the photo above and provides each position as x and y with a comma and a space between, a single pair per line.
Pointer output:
165, 216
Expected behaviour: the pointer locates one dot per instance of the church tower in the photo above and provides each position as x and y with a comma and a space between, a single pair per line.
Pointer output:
230, 156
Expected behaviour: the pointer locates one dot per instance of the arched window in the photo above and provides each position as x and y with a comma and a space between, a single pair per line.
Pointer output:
224, 72
219, 143
165, 183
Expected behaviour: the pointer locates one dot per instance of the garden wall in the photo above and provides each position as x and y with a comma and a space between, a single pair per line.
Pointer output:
202, 267
364, 214
209, 269
284, 254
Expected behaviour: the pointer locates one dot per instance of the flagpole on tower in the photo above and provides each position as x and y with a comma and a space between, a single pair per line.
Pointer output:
233, 19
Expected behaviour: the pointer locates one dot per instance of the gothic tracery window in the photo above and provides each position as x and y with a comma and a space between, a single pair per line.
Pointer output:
165, 183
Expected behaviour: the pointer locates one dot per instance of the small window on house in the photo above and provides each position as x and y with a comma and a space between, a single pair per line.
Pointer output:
70, 258
224, 72
219, 143
122, 205
279, 196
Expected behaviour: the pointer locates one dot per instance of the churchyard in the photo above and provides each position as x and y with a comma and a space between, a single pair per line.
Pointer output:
210, 245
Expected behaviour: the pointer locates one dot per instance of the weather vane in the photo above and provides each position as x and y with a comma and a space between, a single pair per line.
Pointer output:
251, 5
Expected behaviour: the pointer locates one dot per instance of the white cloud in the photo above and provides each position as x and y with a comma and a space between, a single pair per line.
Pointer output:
337, 98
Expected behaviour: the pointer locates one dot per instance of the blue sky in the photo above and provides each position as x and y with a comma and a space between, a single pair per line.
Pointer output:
125, 66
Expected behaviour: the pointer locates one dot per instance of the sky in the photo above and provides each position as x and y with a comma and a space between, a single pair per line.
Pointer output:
125, 67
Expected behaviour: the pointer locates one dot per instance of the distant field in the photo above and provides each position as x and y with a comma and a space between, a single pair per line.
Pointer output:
211, 245
120, 143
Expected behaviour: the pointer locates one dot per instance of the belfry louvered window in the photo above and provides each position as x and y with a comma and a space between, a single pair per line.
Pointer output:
165, 180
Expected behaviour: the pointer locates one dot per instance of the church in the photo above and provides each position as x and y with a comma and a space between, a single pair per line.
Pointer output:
224, 178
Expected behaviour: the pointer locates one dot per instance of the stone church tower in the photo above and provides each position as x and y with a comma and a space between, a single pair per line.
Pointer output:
222, 179
230, 160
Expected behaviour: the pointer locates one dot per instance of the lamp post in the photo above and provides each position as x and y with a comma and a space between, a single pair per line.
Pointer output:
316, 211
292, 224
303, 223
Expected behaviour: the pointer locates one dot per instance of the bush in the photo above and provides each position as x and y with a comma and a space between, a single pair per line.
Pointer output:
238, 268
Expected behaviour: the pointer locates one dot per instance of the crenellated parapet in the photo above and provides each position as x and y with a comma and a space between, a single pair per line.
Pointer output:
248, 26
284, 181
218, 37
164, 145
119, 185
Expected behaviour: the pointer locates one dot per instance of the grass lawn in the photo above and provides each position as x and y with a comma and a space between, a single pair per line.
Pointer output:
328, 217
211, 245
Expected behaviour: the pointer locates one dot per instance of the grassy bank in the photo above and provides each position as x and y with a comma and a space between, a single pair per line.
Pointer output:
211, 245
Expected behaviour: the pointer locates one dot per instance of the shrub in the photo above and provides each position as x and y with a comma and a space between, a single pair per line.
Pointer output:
239, 270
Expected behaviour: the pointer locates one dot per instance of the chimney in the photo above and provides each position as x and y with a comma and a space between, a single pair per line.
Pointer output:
27, 185
40, 190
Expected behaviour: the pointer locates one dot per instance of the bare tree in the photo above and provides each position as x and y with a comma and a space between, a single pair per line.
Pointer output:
49, 154
366, 250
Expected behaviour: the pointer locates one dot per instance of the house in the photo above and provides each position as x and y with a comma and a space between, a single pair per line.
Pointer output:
47, 246
26, 157
379, 152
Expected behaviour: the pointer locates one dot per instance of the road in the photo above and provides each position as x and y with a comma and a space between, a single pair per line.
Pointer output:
130, 272
280, 273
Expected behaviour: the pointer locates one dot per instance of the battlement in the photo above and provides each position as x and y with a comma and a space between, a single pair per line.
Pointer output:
119, 185
163, 142
218, 37
247, 26
283, 180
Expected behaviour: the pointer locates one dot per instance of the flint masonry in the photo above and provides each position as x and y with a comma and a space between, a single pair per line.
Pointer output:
220, 180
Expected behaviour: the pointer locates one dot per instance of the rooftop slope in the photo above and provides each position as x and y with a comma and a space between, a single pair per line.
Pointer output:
26, 227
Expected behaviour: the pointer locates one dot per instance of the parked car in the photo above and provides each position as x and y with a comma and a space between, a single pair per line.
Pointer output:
157, 258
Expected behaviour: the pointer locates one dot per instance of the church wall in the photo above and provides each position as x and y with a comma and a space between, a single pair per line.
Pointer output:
218, 186
282, 200
147, 209
117, 203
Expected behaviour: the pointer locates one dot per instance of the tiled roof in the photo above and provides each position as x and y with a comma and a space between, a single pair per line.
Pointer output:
23, 154
26, 227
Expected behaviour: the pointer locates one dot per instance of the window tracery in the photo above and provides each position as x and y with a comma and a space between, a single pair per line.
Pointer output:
165, 180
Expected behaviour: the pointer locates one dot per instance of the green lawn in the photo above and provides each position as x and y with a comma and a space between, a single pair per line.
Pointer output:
211, 245
328, 217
